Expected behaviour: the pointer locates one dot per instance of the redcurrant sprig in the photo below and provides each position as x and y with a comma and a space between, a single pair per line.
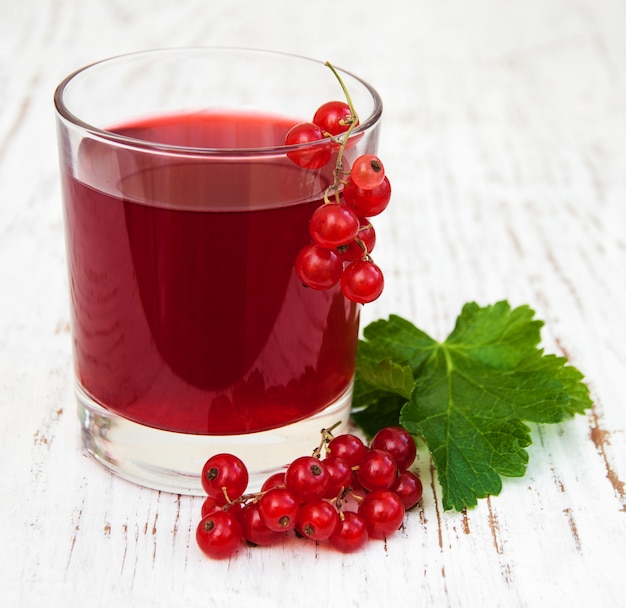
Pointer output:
343, 494
342, 234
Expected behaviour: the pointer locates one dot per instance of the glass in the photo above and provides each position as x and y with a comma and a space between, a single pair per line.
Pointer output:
183, 217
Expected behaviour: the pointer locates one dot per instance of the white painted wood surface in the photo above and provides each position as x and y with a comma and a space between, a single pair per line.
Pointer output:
505, 138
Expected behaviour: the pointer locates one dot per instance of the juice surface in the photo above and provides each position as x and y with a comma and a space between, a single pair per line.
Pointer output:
187, 313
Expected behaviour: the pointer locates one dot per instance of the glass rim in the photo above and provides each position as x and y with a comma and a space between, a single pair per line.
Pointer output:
137, 143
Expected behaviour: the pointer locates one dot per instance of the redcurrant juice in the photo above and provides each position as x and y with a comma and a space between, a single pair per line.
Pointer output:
187, 314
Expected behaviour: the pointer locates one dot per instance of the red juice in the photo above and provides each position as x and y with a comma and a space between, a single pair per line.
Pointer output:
187, 314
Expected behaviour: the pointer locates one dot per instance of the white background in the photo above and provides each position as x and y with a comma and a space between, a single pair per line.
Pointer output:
505, 139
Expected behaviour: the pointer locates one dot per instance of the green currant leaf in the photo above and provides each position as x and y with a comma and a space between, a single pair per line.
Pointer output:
385, 413
471, 394
395, 339
389, 376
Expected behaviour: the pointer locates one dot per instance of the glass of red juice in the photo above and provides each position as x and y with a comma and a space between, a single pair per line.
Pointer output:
184, 213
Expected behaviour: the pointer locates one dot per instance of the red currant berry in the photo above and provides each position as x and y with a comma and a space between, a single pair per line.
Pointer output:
339, 476
210, 505
317, 519
383, 513
367, 202
377, 471
277, 480
399, 443
355, 251
219, 534
408, 487
224, 475
367, 172
318, 268
333, 225
362, 281
309, 157
278, 508
347, 447
333, 117
351, 534
253, 527
306, 478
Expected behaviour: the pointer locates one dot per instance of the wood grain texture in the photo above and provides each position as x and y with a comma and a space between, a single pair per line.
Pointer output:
505, 139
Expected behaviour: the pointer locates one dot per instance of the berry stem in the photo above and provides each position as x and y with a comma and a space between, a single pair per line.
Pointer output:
327, 436
226, 496
329, 431
345, 91
354, 119
363, 246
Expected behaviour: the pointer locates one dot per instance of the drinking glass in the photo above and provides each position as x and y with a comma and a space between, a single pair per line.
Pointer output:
184, 212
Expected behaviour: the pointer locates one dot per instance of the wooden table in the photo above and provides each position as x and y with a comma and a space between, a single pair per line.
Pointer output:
505, 139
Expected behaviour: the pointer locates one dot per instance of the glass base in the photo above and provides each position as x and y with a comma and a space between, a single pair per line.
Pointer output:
172, 462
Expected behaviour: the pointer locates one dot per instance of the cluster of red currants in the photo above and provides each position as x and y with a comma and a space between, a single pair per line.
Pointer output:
344, 493
342, 234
